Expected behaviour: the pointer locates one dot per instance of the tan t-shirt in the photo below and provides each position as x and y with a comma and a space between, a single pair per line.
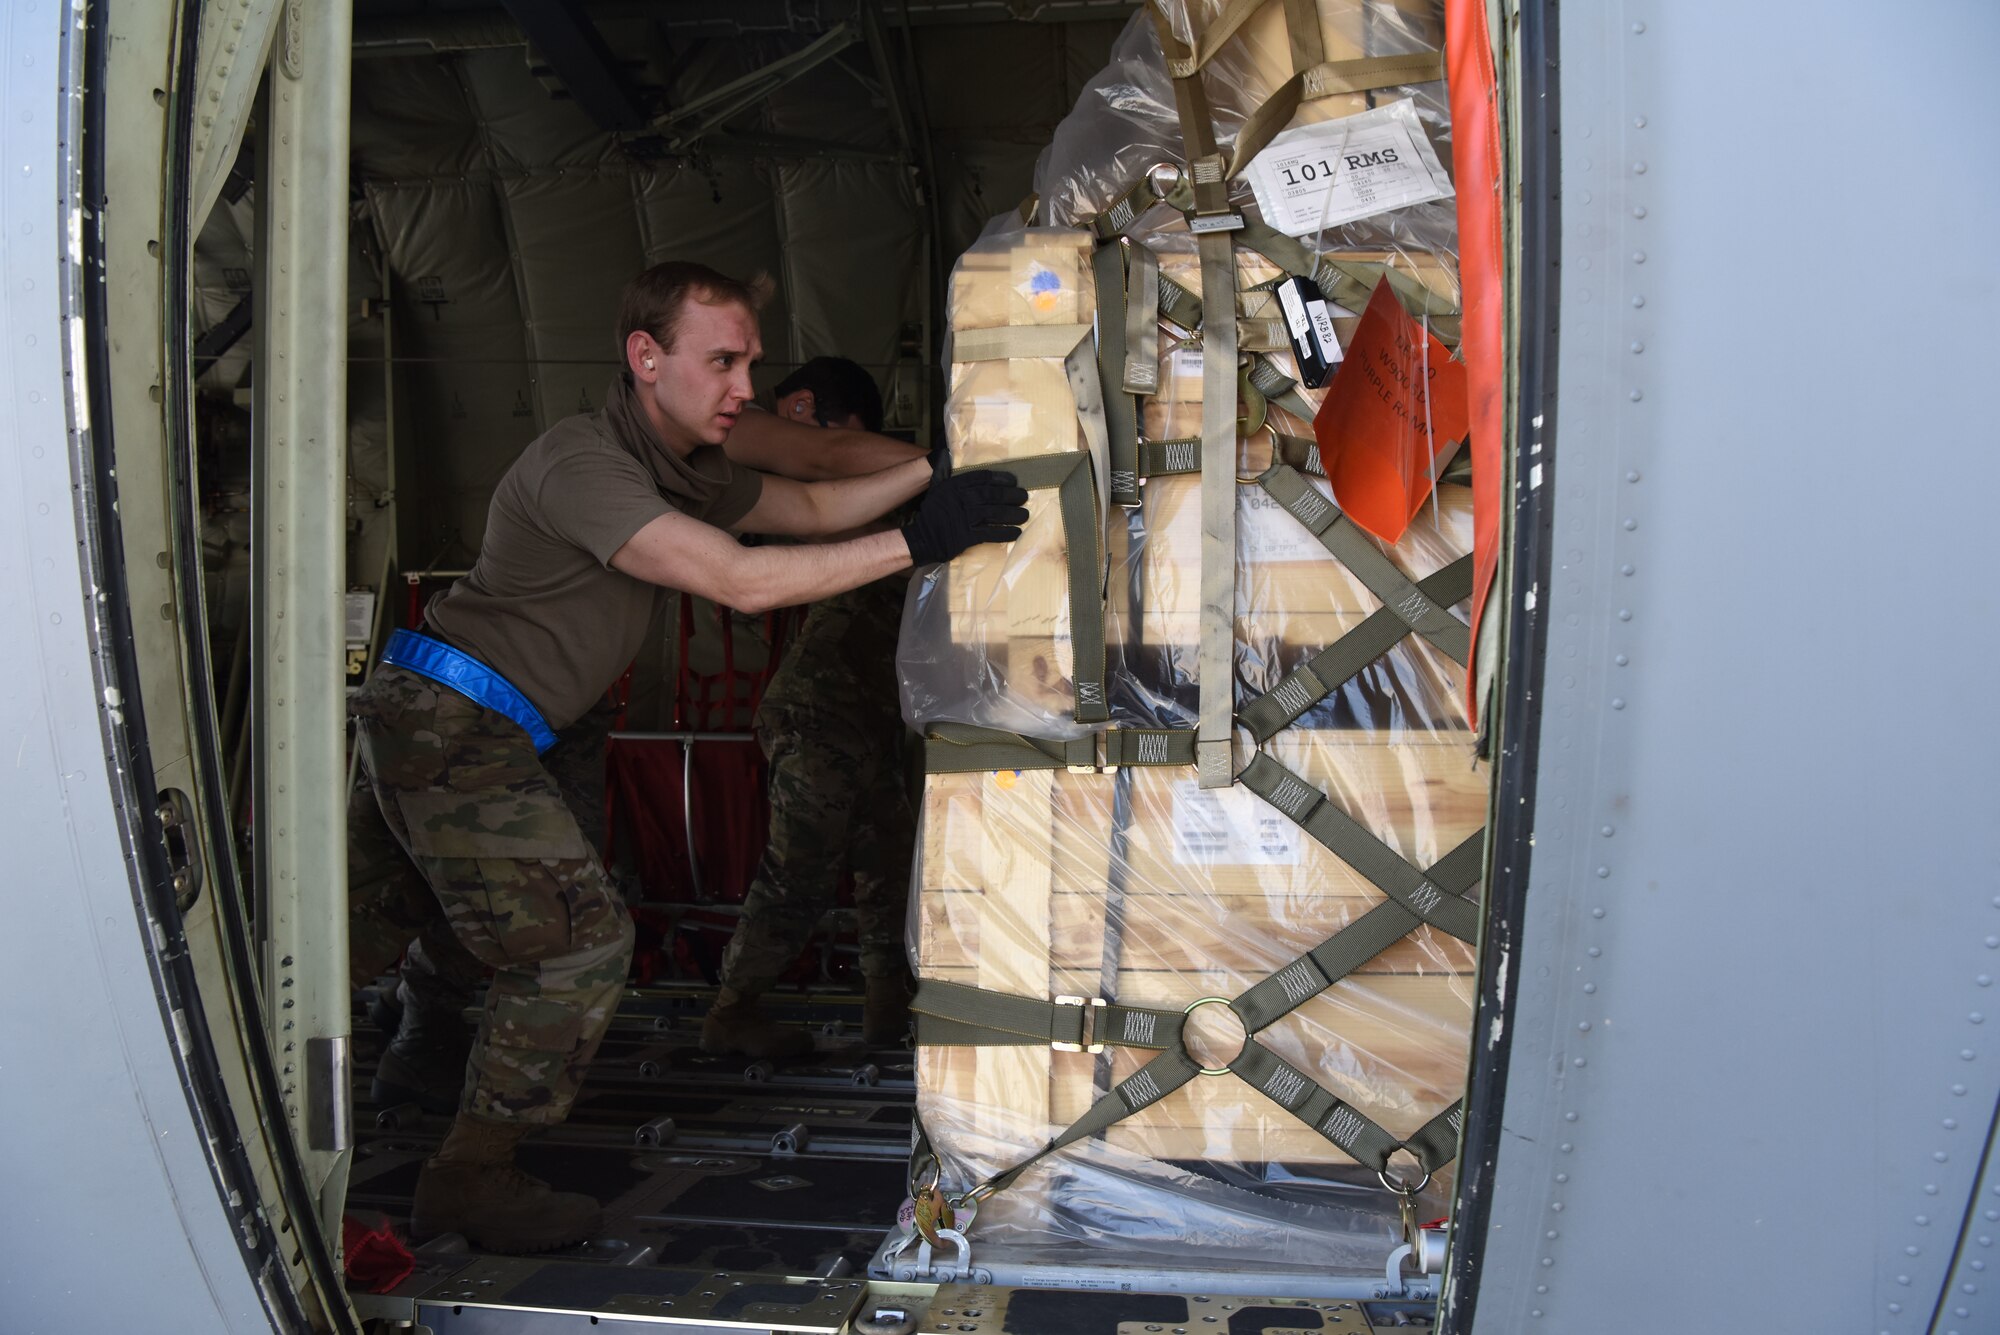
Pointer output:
542, 605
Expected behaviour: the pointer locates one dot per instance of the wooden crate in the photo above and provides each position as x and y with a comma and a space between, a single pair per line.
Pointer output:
1010, 409
1009, 604
1014, 889
1039, 276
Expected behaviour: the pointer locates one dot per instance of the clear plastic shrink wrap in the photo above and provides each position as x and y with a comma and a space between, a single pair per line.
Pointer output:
1135, 884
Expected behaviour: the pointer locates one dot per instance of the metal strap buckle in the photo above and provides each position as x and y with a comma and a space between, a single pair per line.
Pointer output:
1096, 763
1088, 1030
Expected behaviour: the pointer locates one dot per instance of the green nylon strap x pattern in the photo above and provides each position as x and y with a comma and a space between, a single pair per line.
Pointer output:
1353, 549
1323, 673
954, 1013
1355, 944
1350, 840
1070, 474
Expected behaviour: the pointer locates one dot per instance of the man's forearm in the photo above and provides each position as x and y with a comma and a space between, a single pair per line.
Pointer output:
855, 453
771, 577
770, 444
852, 502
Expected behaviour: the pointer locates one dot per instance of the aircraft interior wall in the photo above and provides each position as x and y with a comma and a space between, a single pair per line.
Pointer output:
493, 224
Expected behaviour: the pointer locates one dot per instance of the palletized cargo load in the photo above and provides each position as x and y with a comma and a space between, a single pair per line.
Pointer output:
1196, 895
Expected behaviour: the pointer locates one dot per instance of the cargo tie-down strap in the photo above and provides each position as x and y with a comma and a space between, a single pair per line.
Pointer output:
1132, 298
1076, 477
1326, 671
962, 748
1170, 458
956, 1014
1355, 550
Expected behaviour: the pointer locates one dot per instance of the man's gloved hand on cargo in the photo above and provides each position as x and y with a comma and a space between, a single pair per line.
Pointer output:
962, 510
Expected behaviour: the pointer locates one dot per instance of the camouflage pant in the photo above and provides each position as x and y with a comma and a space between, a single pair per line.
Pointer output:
469, 844
838, 791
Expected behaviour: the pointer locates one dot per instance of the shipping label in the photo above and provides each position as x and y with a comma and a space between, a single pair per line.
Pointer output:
1230, 827
1320, 176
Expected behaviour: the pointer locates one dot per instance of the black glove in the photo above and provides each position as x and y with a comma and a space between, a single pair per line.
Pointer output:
961, 510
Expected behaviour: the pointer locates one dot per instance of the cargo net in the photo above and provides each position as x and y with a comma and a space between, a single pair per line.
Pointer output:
1195, 912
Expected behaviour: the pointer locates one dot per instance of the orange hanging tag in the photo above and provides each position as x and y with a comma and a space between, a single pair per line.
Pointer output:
1393, 418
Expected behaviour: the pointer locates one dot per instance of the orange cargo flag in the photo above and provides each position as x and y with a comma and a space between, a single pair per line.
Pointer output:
1393, 396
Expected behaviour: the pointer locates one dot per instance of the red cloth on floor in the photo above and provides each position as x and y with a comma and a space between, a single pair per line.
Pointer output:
377, 1260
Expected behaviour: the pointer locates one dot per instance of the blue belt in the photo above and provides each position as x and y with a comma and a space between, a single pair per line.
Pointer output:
433, 658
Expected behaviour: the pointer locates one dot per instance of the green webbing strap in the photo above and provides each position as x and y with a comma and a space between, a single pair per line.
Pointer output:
1301, 452
1279, 388
961, 748
1055, 341
1123, 211
1070, 473
1080, 368
1142, 320
1147, 746
1435, 1143
1165, 458
1121, 409
1323, 673
1352, 843
1353, 549
1346, 283
1258, 333
960, 1015
1301, 1096
1302, 34
1328, 78
1178, 305
1353, 945
1185, 64
1143, 1088
1216, 661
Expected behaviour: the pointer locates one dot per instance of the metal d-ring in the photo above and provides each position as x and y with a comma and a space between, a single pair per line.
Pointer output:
1196, 1005
1153, 179
917, 1186
1400, 1187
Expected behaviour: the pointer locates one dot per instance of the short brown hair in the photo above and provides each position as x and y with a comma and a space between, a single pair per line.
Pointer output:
654, 300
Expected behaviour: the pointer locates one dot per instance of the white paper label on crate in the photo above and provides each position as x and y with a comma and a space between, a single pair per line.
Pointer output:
1230, 827
1000, 417
1320, 176
1267, 531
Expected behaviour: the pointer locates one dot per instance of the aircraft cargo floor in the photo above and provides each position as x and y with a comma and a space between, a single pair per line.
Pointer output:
719, 1176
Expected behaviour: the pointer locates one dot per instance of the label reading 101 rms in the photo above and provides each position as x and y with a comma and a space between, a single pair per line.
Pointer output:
1320, 176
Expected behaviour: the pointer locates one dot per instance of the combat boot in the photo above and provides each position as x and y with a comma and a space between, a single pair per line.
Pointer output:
885, 1010
471, 1186
424, 1063
737, 1025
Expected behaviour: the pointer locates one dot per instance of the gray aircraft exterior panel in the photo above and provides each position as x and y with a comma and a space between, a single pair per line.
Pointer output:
1755, 1023
114, 1219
